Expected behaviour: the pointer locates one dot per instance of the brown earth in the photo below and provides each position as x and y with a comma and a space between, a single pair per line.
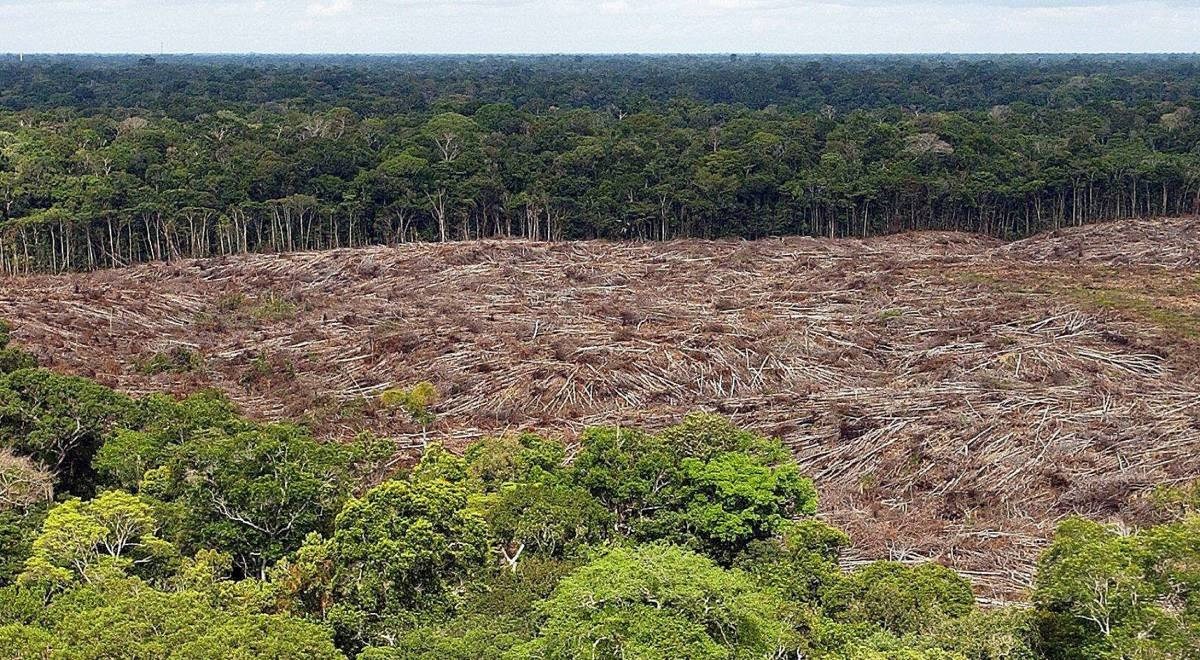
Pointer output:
952, 396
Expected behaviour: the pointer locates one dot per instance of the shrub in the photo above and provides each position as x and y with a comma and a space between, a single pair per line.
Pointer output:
178, 360
273, 308
416, 401
12, 358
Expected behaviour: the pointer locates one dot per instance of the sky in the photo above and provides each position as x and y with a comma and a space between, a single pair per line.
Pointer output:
598, 26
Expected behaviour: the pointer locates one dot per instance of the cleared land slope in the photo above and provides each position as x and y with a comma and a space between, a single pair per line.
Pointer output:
952, 395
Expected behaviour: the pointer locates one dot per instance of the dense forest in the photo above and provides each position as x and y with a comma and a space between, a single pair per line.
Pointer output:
158, 527
107, 161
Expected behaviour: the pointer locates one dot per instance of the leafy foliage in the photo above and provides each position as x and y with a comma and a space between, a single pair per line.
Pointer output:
18, 530
128, 453
406, 545
178, 360
133, 621
186, 531
1106, 594
899, 599
550, 518
801, 564
493, 462
416, 401
253, 493
703, 483
116, 533
60, 421
12, 358
658, 601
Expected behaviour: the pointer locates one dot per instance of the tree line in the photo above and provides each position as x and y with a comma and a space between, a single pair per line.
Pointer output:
85, 188
175, 528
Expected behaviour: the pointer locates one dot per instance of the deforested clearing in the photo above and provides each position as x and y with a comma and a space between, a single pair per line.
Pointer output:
953, 396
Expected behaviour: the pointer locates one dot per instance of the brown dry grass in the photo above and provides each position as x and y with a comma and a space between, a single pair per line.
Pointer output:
953, 397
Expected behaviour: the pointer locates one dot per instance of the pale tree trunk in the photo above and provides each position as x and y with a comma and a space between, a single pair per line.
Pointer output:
437, 204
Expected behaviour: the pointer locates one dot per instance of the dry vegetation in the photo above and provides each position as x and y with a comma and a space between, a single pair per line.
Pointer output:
952, 396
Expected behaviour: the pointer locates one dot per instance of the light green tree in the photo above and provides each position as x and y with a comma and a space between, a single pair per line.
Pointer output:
703, 483
84, 541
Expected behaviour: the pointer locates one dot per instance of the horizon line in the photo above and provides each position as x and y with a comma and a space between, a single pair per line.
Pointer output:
714, 53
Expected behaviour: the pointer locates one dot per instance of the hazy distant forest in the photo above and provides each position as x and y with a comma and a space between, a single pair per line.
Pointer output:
106, 161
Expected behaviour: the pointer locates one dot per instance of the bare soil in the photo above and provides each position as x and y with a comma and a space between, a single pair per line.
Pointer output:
953, 396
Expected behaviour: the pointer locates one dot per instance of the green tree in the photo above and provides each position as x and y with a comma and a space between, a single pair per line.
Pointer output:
529, 499
703, 483
1101, 593
407, 549
494, 462
255, 493
899, 599
452, 134
801, 564
1003, 633
130, 620
128, 453
18, 530
406, 545
658, 601
116, 533
550, 517
61, 421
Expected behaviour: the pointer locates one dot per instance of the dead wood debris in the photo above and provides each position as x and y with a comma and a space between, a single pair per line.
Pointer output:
942, 415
